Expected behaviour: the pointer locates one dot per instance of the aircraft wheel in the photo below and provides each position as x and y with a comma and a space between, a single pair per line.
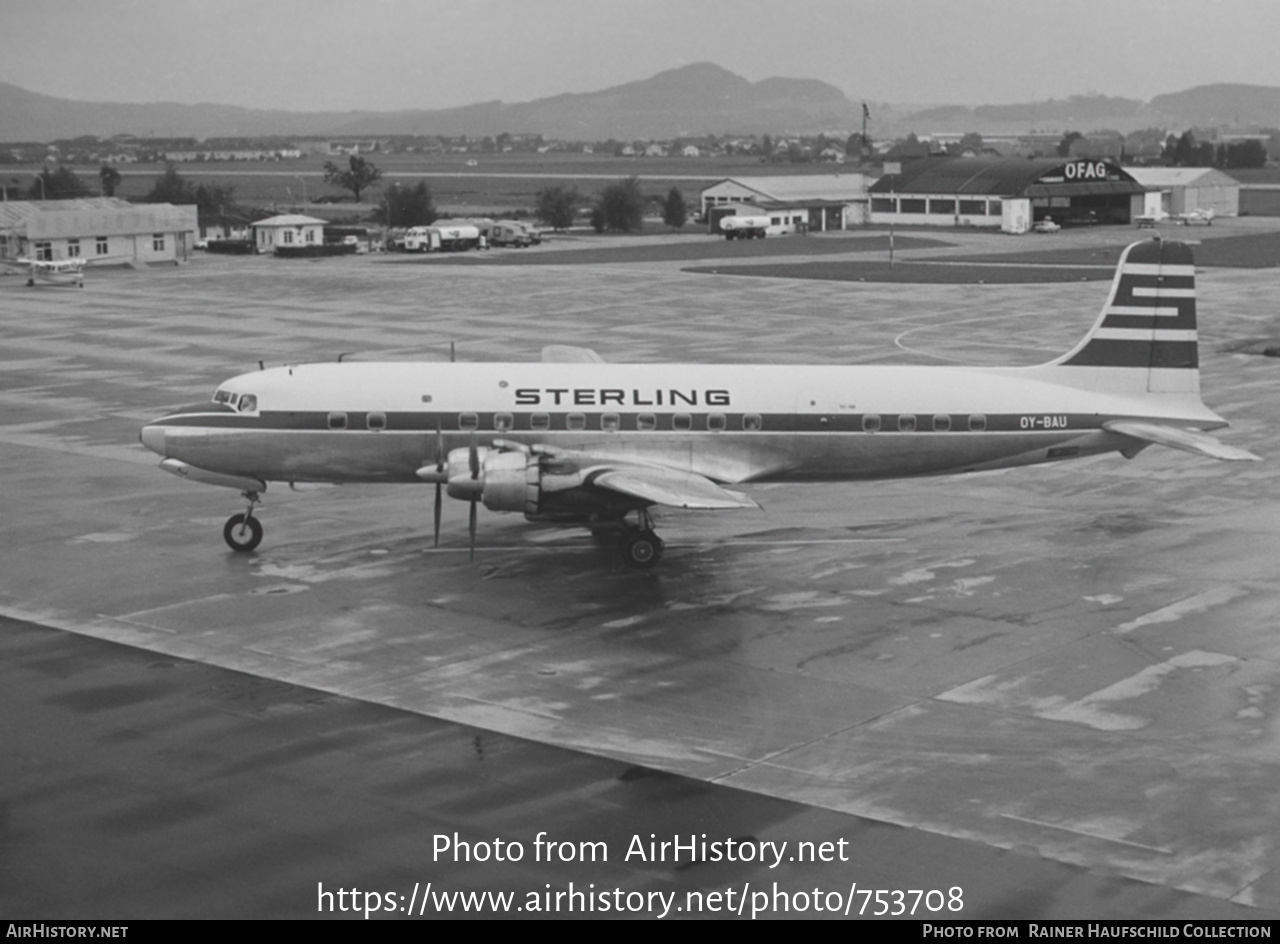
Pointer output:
642, 549
242, 533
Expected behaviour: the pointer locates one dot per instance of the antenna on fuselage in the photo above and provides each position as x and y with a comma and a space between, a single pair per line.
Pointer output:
452, 353
261, 366
344, 354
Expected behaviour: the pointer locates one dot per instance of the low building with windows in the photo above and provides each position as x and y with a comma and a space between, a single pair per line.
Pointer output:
288, 231
1011, 195
104, 230
811, 202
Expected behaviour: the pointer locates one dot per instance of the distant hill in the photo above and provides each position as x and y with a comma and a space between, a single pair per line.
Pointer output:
697, 99
1223, 104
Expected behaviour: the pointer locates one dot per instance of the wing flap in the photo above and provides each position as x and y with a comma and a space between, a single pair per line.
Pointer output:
1176, 437
671, 487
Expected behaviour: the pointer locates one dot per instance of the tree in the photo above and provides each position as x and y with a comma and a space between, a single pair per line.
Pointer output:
214, 202
171, 187
674, 212
557, 207
110, 178
409, 206
621, 206
60, 184
359, 175
1064, 146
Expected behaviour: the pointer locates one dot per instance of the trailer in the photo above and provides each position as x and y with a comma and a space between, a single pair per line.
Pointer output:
744, 227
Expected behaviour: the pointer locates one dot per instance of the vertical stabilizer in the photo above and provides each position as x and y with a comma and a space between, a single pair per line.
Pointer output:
1145, 338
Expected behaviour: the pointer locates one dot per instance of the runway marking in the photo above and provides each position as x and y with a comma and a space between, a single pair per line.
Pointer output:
1175, 611
1081, 832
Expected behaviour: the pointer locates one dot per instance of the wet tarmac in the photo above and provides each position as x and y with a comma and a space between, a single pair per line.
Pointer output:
1054, 687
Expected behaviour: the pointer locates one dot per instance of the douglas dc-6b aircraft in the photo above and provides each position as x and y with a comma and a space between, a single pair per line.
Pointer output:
580, 440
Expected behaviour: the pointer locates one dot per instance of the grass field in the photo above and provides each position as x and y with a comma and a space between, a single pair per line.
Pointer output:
495, 183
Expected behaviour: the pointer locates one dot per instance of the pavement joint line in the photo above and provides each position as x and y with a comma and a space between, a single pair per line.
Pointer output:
1081, 832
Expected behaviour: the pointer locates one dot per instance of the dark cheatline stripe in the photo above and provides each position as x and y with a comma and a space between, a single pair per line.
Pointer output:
487, 423
1113, 352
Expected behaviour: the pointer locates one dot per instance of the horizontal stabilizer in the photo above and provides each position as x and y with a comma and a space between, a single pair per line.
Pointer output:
1176, 437
568, 354
671, 487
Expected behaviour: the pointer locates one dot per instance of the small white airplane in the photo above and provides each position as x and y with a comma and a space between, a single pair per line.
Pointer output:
1195, 218
52, 271
574, 439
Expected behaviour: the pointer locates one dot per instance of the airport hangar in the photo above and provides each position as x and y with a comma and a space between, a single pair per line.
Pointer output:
1010, 194
814, 203
1187, 189
103, 229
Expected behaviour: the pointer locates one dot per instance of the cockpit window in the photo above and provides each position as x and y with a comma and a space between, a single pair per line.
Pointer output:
222, 396
248, 403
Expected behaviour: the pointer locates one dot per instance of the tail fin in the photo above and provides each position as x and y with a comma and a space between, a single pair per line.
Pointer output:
1147, 330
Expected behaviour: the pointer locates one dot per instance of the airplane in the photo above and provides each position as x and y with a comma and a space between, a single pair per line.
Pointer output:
1195, 217
52, 271
576, 440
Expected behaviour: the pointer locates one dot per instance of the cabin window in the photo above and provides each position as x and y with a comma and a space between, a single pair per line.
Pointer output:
646, 421
752, 422
610, 421
376, 421
716, 422
468, 421
977, 422
871, 423
941, 422
540, 421
503, 422
682, 422
337, 421
576, 421
907, 423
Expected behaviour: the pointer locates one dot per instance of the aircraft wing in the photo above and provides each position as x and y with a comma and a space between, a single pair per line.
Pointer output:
1188, 440
671, 487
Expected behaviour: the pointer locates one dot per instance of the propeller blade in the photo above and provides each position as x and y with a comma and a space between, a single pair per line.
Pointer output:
473, 530
473, 457
439, 503
439, 468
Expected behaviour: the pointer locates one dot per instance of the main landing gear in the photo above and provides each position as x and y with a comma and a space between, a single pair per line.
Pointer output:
640, 545
244, 532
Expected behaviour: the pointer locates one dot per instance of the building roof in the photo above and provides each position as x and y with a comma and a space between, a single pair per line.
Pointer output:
1000, 177
1181, 176
92, 216
290, 219
804, 188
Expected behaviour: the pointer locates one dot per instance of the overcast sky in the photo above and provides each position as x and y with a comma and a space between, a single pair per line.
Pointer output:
321, 55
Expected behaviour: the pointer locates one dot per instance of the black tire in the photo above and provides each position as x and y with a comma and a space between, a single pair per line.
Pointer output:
233, 532
642, 549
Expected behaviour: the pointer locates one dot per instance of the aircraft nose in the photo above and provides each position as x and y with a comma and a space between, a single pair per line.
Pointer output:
153, 438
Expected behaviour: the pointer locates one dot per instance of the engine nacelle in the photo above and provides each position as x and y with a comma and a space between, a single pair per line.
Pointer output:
512, 482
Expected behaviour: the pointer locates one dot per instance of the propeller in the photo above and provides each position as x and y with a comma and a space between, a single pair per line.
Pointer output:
473, 459
439, 478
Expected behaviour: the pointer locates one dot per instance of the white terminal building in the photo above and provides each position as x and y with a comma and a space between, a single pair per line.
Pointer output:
107, 230
813, 203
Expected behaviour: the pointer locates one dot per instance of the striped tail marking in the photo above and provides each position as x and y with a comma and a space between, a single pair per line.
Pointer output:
1149, 320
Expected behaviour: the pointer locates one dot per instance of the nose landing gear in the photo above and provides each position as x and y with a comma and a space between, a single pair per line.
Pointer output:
244, 532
